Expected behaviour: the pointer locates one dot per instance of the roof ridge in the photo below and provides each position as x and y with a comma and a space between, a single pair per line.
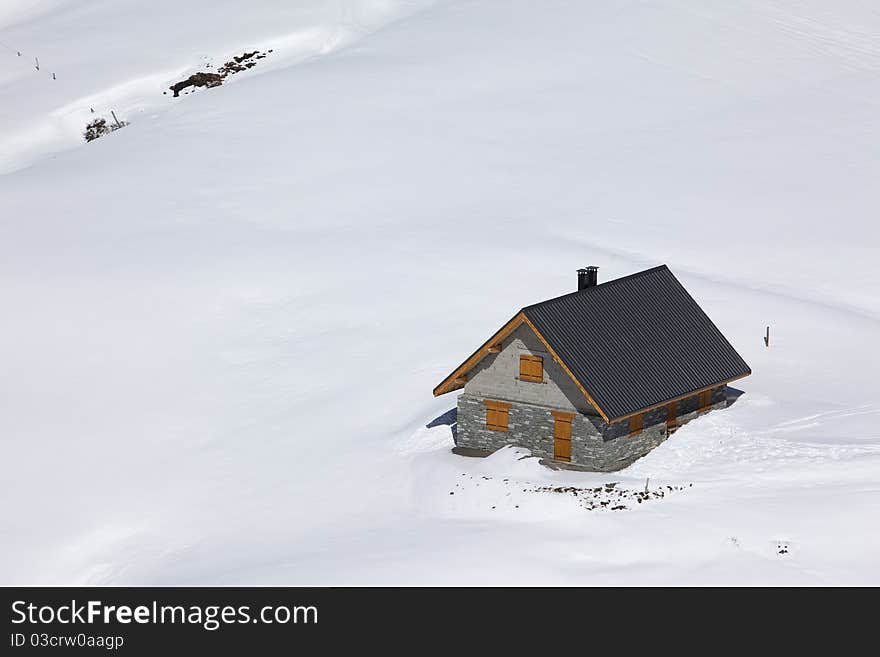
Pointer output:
605, 284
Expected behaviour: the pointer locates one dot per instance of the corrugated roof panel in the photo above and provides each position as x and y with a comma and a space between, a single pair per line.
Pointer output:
637, 341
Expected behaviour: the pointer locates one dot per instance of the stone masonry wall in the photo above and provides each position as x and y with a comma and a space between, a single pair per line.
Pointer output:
595, 445
528, 426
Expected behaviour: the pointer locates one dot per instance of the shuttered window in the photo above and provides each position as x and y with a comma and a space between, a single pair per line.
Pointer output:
705, 399
496, 420
496, 415
531, 368
671, 416
636, 424
562, 428
562, 435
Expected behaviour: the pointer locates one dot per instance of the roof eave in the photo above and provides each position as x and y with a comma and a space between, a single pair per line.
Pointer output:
679, 397
449, 385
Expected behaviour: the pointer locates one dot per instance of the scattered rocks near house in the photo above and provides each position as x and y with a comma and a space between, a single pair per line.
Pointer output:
782, 547
596, 498
610, 496
208, 80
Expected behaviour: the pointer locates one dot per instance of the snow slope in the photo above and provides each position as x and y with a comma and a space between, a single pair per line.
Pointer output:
122, 54
223, 323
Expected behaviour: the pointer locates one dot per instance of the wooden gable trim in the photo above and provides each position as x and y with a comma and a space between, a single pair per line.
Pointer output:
457, 379
452, 381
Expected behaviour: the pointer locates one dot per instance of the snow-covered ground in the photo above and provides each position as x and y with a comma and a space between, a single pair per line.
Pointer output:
222, 324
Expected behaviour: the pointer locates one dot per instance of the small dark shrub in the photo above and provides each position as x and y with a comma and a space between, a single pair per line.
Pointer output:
99, 127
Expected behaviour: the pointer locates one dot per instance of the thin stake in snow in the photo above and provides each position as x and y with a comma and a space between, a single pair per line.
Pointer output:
37, 62
118, 125
767, 337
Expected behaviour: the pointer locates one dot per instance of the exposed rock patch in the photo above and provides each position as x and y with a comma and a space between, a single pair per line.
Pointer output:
208, 80
242, 62
606, 497
610, 496
200, 79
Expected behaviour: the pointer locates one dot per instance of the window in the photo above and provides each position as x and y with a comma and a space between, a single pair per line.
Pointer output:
496, 415
531, 368
671, 416
636, 424
562, 435
705, 400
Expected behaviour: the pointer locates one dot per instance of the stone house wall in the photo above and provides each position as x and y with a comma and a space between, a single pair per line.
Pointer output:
595, 444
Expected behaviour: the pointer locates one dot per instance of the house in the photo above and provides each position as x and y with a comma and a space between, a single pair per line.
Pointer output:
596, 378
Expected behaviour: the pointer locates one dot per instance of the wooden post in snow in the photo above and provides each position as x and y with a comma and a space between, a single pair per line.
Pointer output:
37, 62
118, 125
767, 337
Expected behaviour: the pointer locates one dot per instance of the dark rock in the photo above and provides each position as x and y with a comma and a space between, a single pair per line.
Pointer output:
200, 79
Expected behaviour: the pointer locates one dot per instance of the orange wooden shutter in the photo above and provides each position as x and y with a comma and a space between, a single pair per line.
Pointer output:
562, 429
671, 415
705, 399
562, 435
531, 368
496, 420
636, 424
496, 415
562, 450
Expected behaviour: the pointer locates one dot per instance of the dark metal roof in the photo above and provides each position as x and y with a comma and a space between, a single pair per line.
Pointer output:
636, 341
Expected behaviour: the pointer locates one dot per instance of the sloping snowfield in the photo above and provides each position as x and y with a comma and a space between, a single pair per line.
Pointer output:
222, 324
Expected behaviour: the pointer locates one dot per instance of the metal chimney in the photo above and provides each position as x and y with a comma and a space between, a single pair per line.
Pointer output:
587, 277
